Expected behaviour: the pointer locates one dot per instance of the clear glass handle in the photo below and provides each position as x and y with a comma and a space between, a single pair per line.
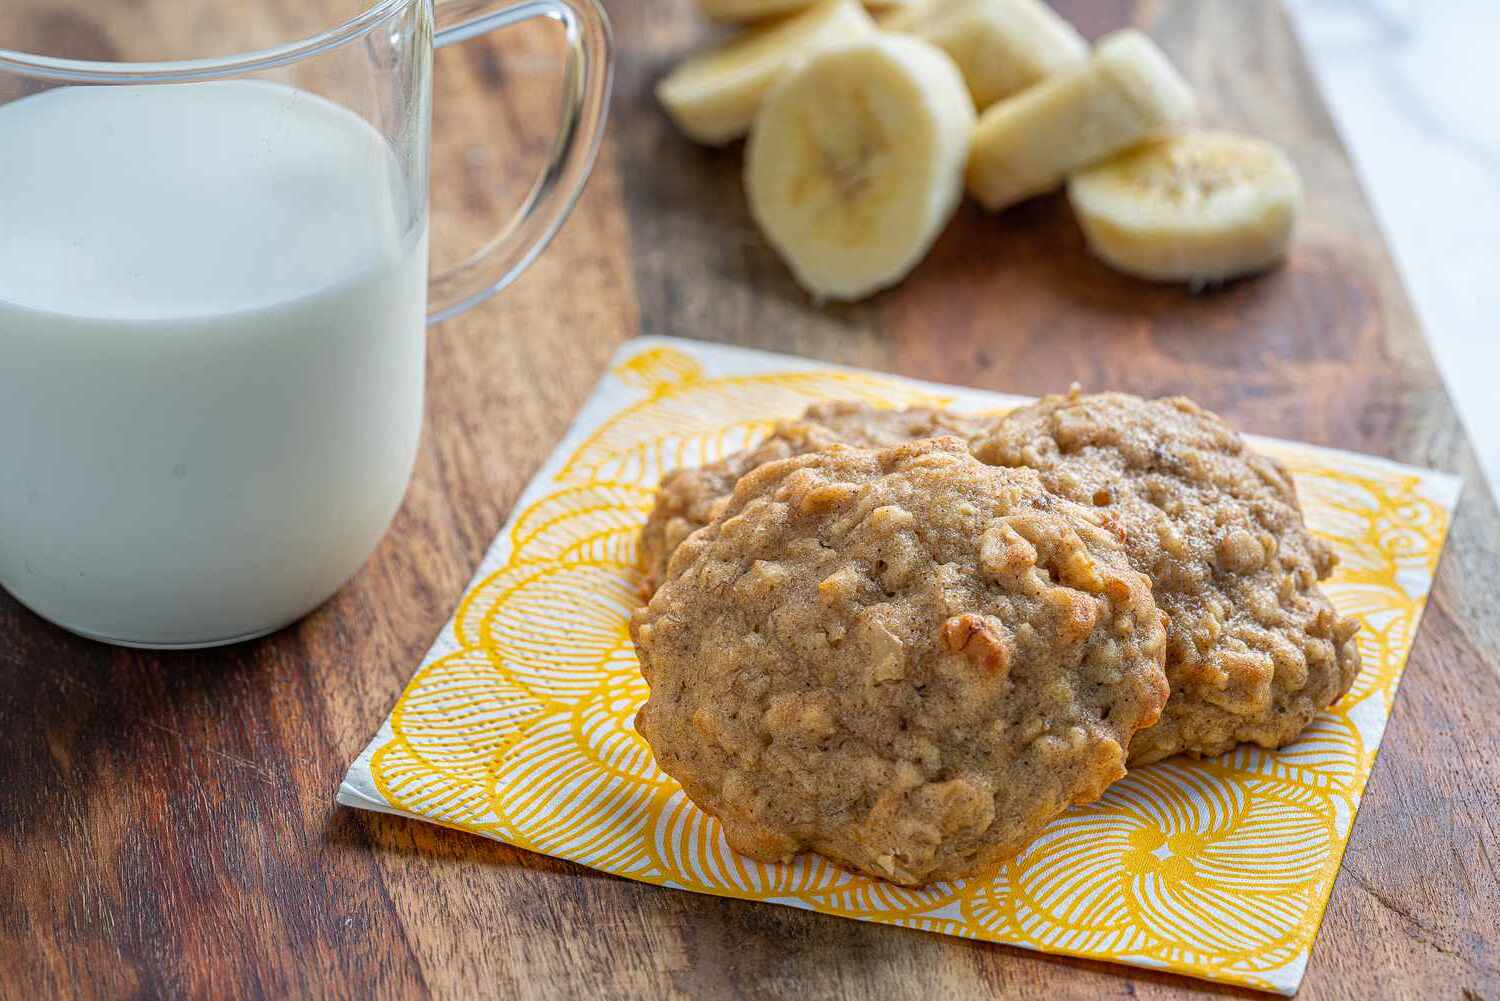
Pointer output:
585, 104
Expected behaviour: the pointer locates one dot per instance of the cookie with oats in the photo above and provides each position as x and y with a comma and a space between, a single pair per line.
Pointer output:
1255, 648
903, 659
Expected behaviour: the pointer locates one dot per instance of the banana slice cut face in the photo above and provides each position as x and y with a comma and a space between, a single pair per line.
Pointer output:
855, 162
713, 96
1027, 144
1001, 46
1200, 207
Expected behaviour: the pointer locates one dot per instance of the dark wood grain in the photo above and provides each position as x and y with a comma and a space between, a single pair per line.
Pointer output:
167, 825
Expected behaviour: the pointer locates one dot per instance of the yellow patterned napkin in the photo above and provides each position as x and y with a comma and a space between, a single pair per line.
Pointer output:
517, 726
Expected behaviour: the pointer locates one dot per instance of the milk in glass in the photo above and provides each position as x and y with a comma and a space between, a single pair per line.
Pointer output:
212, 304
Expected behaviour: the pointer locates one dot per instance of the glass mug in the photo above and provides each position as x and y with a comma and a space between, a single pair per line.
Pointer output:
213, 288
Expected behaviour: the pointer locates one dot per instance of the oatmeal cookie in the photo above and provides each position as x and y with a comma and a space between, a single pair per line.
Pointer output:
686, 498
1254, 647
901, 658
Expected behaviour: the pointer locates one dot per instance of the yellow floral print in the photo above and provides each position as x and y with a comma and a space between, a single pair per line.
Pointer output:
519, 724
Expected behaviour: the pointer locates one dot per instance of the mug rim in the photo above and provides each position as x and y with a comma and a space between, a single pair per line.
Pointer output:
87, 71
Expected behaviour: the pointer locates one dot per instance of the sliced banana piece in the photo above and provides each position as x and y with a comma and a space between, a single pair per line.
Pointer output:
1026, 144
713, 96
1001, 46
1200, 207
855, 162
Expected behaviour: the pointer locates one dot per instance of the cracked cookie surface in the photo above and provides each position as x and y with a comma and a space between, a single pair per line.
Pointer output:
1255, 649
686, 499
901, 658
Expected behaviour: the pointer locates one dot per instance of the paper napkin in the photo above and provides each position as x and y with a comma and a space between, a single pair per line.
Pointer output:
517, 724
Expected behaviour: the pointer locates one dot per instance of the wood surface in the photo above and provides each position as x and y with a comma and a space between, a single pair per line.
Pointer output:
167, 822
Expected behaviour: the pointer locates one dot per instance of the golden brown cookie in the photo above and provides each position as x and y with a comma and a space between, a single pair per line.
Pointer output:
1255, 649
686, 498
903, 659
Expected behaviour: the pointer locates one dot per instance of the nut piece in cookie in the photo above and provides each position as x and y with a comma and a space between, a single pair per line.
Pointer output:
902, 658
1255, 648
686, 498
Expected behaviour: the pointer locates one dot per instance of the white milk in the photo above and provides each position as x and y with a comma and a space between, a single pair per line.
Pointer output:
212, 305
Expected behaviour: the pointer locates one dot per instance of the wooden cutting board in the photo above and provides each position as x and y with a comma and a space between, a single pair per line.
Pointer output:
167, 825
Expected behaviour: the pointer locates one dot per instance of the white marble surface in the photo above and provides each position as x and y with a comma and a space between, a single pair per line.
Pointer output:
1415, 87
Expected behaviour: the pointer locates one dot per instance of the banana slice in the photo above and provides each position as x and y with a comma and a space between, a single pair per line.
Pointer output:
1200, 207
1026, 144
713, 95
855, 162
1001, 46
